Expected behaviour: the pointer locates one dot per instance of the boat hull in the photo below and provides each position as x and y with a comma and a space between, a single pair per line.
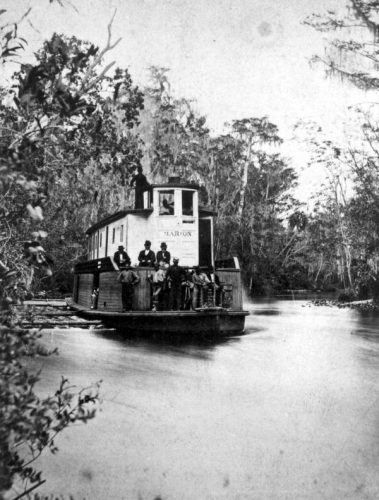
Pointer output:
211, 321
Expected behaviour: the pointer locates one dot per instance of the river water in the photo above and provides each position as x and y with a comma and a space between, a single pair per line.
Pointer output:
290, 410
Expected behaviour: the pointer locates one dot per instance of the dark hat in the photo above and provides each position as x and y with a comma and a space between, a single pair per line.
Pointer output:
163, 244
175, 259
120, 246
147, 243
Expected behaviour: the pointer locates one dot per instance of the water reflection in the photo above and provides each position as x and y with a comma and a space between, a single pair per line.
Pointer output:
173, 345
266, 312
290, 410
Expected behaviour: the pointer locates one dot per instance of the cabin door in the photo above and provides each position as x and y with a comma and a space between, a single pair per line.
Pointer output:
205, 242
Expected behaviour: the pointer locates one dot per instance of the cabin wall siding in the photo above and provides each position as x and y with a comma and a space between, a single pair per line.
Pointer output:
180, 232
232, 277
140, 229
85, 290
102, 239
110, 291
113, 247
142, 292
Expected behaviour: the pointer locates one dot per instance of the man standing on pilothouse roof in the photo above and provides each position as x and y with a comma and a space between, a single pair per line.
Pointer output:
141, 185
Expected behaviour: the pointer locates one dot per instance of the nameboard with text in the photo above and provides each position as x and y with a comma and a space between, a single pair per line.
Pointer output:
182, 243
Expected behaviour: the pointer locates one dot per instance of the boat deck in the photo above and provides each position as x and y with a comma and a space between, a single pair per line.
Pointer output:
215, 320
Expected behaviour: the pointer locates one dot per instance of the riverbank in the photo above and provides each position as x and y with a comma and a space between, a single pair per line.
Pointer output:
360, 305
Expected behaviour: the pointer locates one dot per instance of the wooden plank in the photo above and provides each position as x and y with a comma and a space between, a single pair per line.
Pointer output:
142, 294
85, 289
110, 291
55, 313
232, 277
57, 303
44, 324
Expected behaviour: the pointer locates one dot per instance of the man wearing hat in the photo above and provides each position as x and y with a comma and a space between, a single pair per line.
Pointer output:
146, 258
176, 279
121, 257
163, 255
141, 184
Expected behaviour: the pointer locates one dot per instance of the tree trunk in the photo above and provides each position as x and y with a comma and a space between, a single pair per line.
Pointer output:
244, 180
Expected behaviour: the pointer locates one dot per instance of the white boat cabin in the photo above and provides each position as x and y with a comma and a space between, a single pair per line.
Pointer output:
170, 214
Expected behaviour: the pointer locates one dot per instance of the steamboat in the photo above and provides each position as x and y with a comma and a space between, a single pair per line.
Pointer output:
169, 213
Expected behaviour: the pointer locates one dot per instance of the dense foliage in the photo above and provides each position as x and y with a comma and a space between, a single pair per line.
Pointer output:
352, 208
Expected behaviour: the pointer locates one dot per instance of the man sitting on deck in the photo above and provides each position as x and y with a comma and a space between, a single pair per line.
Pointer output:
121, 257
158, 281
200, 290
215, 287
163, 255
146, 258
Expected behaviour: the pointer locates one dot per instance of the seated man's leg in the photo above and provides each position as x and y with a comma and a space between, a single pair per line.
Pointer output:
195, 296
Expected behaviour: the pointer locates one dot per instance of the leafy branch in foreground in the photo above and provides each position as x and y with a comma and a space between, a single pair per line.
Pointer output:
29, 424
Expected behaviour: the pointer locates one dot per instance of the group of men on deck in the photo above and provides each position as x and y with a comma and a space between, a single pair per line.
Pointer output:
146, 257
173, 287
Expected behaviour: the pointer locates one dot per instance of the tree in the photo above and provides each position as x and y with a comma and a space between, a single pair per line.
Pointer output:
253, 198
351, 56
179, 138
48, 146
70, 137
252, 132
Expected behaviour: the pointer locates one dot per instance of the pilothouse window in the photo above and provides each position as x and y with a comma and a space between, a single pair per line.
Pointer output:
187, 202
166, 202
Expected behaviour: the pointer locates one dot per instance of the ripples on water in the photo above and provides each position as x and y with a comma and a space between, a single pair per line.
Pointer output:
290, 410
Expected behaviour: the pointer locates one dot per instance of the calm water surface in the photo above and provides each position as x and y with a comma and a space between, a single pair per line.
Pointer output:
290, 411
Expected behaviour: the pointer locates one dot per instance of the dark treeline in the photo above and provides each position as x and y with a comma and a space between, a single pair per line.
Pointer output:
73, 134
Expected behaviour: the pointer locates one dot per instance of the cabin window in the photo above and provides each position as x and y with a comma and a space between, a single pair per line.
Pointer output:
122, 233
187, 202
166, 202
113, 235
96, 240
101, 240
